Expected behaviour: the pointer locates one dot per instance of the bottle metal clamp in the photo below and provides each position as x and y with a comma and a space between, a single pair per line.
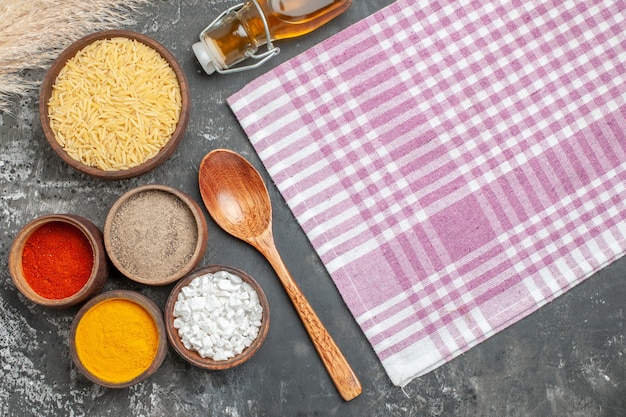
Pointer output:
261, 57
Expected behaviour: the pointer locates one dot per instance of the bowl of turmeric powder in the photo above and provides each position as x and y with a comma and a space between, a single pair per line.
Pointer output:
115, 104
59, 260
117, 339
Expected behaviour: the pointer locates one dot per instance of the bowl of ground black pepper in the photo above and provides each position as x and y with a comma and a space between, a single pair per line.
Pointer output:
155, 234
59, 260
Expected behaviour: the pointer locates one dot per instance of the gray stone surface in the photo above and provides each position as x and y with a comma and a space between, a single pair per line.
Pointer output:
567, 359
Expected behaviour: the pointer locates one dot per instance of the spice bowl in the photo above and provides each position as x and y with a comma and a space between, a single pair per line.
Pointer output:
217, 317
155, 234
58, 260
105, 130
117, 339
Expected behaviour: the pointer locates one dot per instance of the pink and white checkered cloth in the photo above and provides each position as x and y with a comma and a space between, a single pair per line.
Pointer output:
455, 164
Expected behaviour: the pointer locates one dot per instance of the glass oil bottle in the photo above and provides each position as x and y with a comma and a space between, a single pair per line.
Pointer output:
238, 32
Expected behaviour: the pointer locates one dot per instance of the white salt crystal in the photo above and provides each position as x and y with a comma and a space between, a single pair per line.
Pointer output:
207, 342
182, 309
212, 302
208, 326
218, 315
219, 355
188, 291
220, 275
222, 322
227, 285
197, 303
234, 302
195, 343
228, 331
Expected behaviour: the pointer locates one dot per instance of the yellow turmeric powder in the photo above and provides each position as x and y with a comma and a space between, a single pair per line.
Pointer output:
116, 340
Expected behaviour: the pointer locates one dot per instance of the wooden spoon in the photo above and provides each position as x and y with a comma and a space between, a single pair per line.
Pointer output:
237, 199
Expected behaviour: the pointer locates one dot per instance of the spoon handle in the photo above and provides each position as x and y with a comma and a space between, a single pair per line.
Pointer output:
338, 368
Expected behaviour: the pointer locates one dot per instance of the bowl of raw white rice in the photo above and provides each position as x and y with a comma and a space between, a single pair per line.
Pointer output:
115, 104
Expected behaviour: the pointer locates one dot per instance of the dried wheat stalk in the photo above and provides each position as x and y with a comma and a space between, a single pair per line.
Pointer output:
33, 32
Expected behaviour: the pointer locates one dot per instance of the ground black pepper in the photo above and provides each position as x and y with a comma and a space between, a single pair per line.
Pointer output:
153, 235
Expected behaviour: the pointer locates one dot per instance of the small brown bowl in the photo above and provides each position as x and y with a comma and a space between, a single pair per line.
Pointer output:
104, 343
155, 234
99, 272
194, 357
164, 153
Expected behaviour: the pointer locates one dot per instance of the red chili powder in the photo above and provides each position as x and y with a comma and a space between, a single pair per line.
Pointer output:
57, 260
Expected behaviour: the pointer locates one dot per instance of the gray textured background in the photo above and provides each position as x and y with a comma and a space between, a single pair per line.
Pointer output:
567, 359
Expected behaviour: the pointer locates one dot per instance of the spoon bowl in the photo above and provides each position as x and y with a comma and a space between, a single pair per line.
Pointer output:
237, 199
235, 194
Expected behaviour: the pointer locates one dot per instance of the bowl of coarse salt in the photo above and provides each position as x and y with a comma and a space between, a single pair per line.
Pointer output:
217, 317
115, 104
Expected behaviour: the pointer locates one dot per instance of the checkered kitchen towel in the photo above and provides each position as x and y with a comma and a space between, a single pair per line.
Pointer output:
456, 164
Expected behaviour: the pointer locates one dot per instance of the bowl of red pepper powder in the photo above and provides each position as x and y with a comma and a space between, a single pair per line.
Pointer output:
58, 260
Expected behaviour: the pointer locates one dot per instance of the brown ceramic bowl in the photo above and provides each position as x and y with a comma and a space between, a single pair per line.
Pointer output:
192, 356
165, 152
97, 375
155, 234
99, 272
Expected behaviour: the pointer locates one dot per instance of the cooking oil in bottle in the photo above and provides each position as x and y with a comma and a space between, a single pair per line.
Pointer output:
238, 32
